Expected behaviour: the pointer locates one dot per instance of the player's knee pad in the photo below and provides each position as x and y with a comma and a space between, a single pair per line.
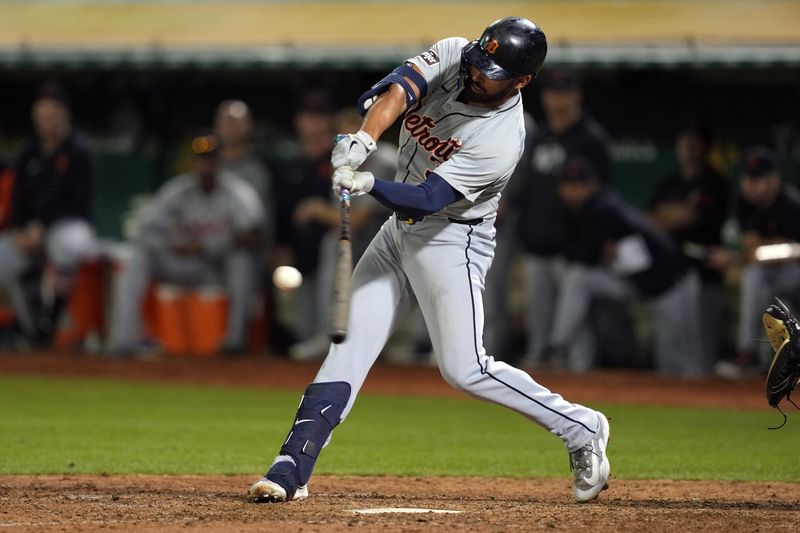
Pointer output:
320, 411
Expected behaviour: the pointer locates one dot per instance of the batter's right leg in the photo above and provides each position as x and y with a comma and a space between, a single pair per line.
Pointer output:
381, 297
448, 282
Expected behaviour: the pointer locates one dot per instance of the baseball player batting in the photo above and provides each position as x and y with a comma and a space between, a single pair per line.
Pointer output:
462, 135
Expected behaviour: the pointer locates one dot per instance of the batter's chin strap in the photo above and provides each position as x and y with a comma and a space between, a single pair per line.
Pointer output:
397, 76
320, 411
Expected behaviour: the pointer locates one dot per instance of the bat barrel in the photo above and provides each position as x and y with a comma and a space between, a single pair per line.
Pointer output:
342, 277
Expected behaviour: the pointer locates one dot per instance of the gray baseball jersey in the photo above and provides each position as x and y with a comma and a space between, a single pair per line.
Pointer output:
474, 149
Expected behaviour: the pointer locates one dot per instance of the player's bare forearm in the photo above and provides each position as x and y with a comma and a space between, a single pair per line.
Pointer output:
387, 109
384, 112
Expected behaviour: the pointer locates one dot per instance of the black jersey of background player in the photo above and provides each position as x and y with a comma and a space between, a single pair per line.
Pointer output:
604, 221
780, 220
302, 178
711, 191
49, 188
543, 215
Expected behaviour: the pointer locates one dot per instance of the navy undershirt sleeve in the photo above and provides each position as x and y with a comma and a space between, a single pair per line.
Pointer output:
416, 200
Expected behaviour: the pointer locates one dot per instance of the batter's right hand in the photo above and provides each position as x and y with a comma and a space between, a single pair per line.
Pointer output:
352, 149
357, 183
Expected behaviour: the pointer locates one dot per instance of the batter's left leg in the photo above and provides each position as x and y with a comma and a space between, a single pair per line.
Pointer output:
320, 411
380, 297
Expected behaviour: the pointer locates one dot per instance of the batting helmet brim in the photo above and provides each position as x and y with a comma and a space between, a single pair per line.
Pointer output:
474, 55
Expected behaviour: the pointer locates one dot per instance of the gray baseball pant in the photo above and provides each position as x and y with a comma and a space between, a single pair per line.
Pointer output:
444, 265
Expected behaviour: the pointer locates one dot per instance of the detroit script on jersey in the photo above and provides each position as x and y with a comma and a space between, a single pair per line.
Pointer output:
475, 150
420, 126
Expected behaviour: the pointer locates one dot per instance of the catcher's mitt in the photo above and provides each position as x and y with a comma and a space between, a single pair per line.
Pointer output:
783, 331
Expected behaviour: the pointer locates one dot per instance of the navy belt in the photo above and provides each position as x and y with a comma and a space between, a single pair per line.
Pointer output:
411, 220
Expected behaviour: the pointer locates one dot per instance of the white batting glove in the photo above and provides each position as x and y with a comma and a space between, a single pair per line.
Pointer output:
352, 149
357, 183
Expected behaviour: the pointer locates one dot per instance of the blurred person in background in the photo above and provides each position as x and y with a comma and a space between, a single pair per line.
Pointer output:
691, 205
567, 130
618, 253
50, 229
365, 219
304, 214
202, 227
768, 212
234, 127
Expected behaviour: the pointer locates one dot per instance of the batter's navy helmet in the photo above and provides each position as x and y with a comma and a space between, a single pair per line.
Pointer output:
508, 48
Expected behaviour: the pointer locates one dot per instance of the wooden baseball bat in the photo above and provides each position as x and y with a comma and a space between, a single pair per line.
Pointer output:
343, 274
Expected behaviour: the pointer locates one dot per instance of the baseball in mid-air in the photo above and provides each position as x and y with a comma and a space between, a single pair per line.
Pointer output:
287, 278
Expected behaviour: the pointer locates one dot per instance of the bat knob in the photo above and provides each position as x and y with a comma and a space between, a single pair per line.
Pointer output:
338, 337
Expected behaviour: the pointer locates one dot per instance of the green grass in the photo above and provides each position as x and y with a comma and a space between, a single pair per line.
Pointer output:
88, 426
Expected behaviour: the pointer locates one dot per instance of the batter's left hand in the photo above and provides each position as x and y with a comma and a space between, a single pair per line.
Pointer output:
357, 182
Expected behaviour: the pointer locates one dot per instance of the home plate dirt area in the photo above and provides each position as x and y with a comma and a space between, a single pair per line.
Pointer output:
219, 503
213, 503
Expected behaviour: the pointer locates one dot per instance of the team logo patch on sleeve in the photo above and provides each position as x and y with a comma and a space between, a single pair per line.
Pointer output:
430, 58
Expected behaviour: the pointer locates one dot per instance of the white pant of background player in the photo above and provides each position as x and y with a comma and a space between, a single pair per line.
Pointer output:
677, 328
445, 265
67, 243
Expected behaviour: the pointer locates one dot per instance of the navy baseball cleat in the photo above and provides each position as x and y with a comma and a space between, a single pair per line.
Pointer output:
590, 465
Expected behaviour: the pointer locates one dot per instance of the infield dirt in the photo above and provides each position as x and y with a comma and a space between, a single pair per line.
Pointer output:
219, 503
